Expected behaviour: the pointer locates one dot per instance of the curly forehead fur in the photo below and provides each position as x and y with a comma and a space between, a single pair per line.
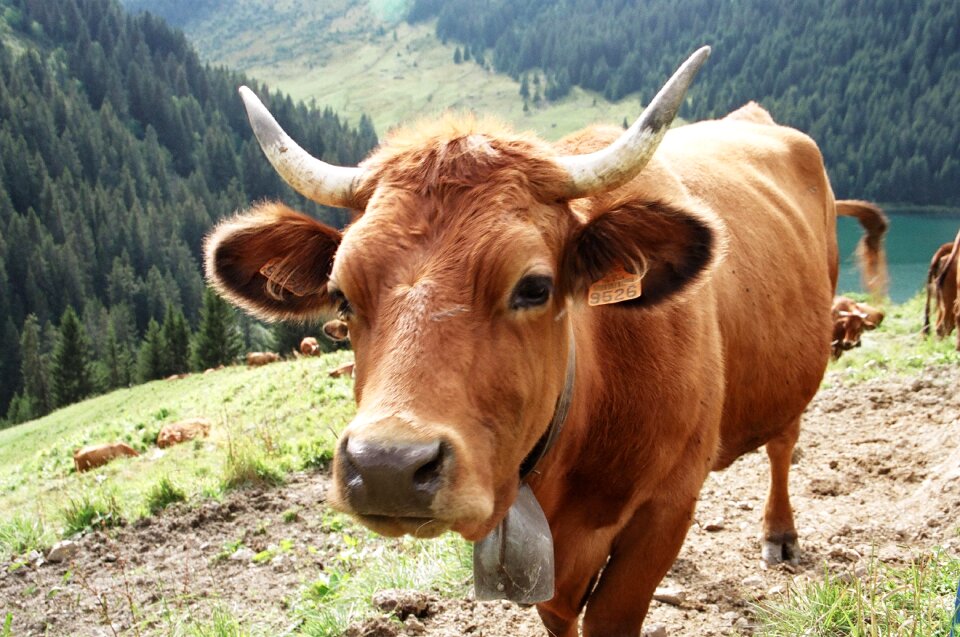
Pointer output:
459, 152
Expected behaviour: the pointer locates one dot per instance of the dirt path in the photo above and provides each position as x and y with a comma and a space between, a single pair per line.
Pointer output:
877, 474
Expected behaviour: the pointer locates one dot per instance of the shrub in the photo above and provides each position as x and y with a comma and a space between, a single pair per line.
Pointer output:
162, 495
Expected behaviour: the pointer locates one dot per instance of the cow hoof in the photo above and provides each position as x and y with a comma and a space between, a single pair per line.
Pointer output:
778, 551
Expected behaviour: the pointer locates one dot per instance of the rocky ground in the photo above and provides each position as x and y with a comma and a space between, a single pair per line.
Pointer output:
877, 476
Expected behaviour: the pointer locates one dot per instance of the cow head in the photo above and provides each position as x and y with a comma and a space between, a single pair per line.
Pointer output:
455, 285
850, 320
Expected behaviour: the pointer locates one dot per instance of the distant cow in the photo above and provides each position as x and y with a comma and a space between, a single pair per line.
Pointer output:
256, 359
344, 370
176, 432
309, 346
943, 280
850, 319
93, 456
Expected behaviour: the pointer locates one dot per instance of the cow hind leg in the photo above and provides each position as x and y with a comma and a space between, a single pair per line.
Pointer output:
779, 533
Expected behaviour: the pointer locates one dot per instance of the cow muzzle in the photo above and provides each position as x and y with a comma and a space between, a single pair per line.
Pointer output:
397, 479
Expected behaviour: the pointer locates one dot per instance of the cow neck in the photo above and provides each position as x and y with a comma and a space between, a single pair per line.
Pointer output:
560, 413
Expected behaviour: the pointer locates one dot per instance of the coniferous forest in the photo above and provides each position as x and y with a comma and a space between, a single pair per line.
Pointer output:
875, 83
118, 151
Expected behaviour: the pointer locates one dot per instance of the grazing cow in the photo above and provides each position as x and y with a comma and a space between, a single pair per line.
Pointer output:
309, 346
256, 359
943, 281
576, 321
93, 456
174, 433
343, 370
850, 319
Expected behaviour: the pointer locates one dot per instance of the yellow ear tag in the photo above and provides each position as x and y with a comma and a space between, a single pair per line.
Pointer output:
272, 271
617, 286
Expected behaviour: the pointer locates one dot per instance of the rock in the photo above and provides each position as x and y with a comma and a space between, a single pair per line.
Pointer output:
110, 557
779, 589
714, 525
657, 630
243, 554
414, 626
673, 595
845, 554
63, 551
752, 581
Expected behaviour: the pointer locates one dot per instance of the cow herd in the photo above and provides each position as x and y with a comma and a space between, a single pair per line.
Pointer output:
97, 455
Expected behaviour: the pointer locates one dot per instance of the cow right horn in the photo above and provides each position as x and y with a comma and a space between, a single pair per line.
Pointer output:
622, 160
314, 179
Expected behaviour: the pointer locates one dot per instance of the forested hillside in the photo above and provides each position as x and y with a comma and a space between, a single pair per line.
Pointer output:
875, 83
118, 150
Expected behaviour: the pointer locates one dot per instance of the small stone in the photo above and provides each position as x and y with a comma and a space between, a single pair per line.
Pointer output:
63, 551
414, 626
110, 557
673, 595
745, 506
714, 526
243, 554
657, 630
779, 589
402, 603
752, 581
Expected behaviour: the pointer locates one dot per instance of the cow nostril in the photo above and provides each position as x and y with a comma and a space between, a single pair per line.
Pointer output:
430, 471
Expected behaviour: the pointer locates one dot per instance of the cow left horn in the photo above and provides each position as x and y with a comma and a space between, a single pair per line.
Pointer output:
622, 160
314, 179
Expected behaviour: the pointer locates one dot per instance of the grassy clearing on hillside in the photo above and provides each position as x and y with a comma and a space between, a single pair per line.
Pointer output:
264, 419
344, 57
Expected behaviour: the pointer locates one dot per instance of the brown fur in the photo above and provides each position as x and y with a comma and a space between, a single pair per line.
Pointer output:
256, 359
93, 456
943, 283
176, 432
850, 319
732, 219
309, 346
873, 260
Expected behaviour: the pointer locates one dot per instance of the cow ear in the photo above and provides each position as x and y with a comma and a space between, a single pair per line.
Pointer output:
670, 248
273, 262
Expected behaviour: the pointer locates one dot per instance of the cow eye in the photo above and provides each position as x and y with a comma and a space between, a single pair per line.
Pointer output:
344, 310
532, 291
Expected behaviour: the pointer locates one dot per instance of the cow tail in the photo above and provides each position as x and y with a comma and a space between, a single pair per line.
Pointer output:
948, 264
870, 252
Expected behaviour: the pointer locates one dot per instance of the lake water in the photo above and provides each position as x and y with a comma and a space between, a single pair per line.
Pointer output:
911, 242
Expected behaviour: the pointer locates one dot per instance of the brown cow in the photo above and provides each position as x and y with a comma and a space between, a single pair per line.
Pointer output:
943, 281
343, 370
309, 346
93, 456
174, 433
479, 286
256, 359
850, 319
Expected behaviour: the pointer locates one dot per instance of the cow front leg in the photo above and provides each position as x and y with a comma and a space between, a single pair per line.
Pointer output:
642, 554
779, 533
580, 554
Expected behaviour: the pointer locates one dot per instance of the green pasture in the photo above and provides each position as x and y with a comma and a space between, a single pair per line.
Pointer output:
394, 72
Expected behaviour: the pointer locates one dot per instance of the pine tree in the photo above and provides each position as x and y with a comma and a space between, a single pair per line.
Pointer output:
217, 341
150, 358
457, 56
116, 362
33, 370
175, 334
70, 371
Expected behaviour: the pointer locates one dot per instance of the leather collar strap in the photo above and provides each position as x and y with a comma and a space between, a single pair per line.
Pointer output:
560, 413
